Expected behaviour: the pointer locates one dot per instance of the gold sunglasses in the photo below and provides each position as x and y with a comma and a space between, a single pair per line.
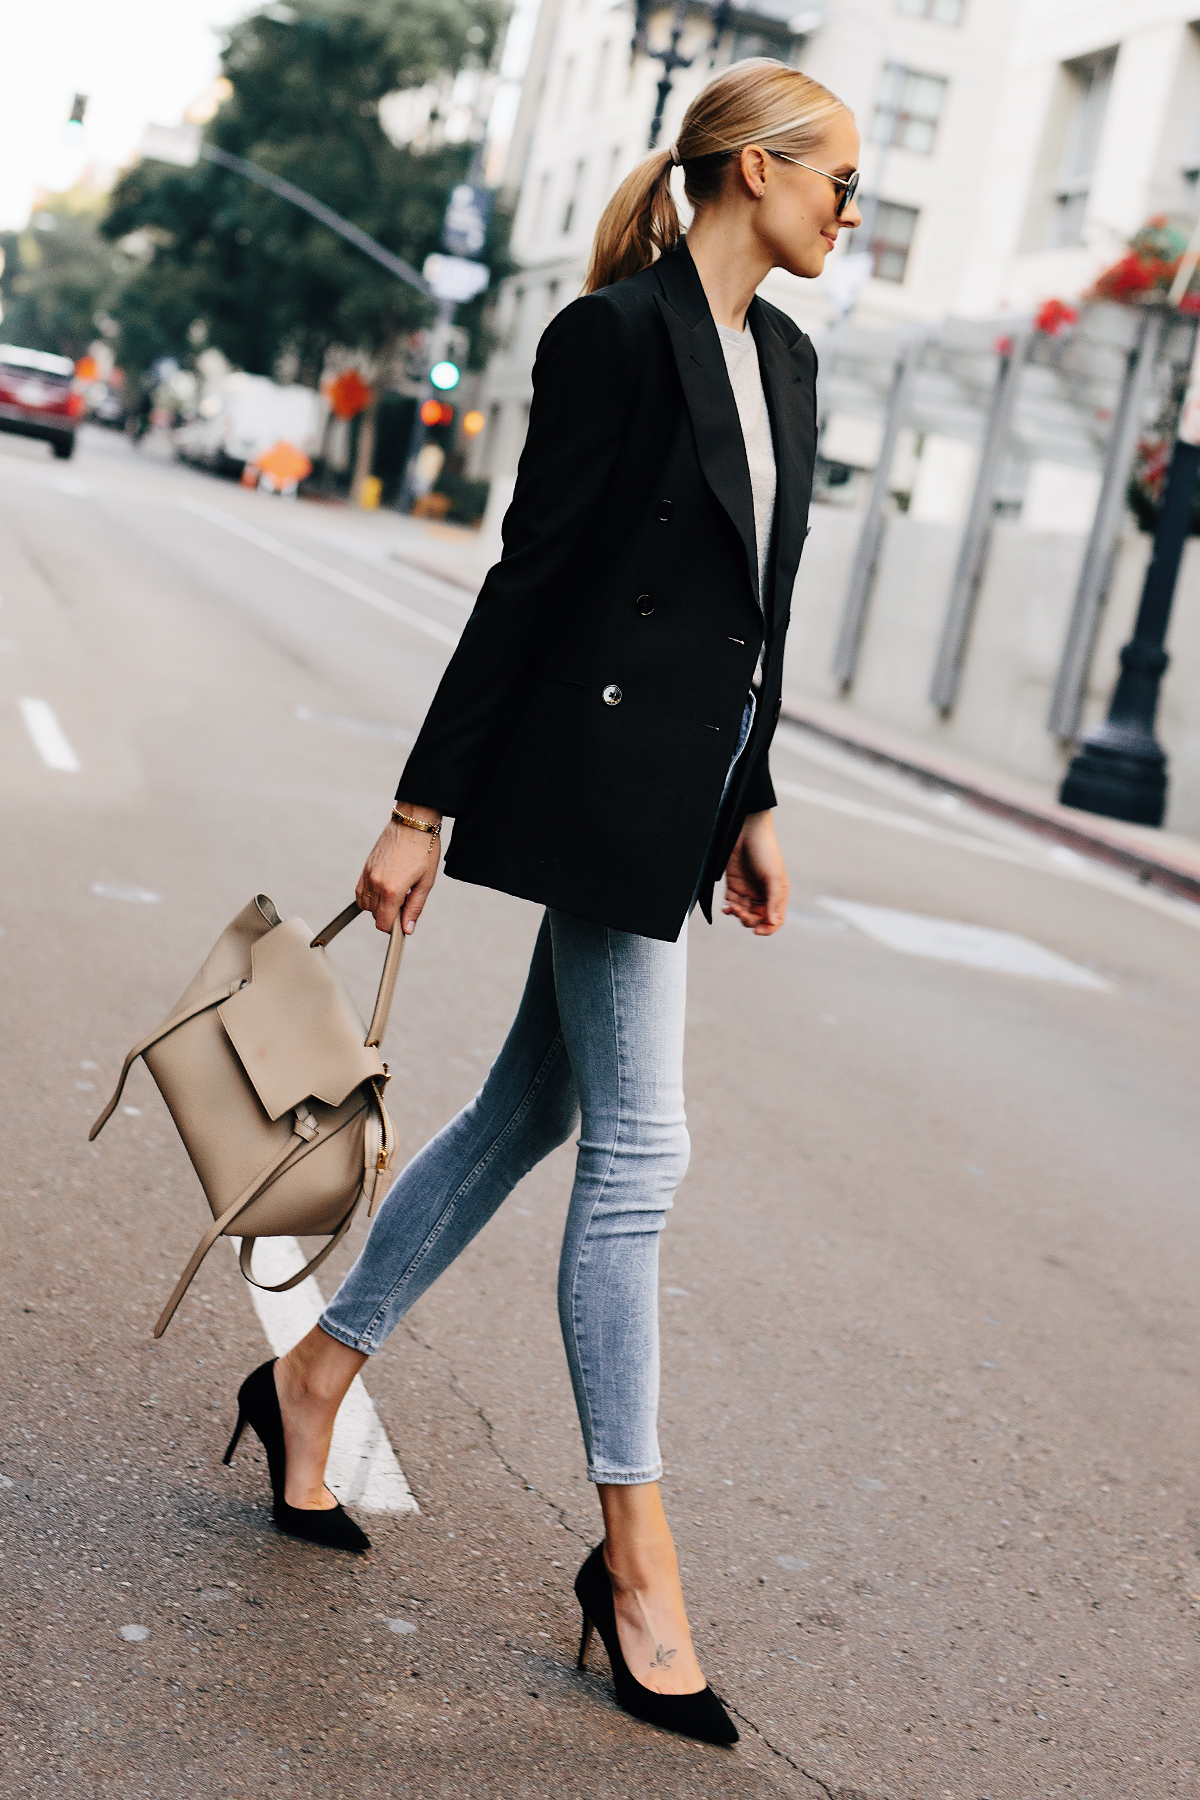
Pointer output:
848, 183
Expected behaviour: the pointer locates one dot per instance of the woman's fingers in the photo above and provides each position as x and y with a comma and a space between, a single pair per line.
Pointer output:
399, 874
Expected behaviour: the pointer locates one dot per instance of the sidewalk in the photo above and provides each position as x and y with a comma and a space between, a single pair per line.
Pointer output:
1157, 858
462, 556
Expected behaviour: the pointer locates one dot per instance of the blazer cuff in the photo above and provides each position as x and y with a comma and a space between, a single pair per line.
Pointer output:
760, 792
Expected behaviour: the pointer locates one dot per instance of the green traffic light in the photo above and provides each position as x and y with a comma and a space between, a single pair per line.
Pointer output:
444, 375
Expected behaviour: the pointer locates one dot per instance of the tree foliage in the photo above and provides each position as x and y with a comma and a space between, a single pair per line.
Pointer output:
61, 279
229, 262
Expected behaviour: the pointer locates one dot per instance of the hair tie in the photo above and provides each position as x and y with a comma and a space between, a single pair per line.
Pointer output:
673, 153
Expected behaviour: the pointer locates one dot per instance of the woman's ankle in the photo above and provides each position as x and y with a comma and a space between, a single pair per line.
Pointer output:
319, 1369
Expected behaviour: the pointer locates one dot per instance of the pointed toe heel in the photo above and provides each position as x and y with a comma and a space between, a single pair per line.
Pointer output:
699, 1715
258, 1407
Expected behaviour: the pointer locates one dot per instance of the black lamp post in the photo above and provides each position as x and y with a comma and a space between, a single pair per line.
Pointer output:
670, 60
1120, 769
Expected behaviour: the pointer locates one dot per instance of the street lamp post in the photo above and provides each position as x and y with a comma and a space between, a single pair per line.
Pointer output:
1120, 770
670, 60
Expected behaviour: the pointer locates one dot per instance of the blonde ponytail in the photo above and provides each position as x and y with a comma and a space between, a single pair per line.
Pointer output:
639, 223
758, 101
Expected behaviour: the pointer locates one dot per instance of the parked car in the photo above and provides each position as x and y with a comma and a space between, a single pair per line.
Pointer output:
244, 415
38, 397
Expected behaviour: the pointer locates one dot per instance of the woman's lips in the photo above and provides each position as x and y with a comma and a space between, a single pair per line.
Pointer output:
830, 238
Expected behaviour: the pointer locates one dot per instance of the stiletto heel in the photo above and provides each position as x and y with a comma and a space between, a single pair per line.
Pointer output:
698, 1715
233, 1442
585, 1642
258, 1407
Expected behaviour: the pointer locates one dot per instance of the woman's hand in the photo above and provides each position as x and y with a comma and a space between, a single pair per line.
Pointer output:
756, 883
400, 871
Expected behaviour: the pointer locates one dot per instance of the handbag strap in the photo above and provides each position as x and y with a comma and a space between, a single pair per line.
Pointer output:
306, 1130
214, 998
391, 968
377, 1151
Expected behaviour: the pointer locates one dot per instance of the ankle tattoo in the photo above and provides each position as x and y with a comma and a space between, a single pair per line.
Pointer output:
662, 1657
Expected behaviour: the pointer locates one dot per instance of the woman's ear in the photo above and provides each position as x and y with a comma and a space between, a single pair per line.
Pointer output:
753, 164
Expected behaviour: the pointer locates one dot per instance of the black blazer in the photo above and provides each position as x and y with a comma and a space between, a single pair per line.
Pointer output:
582, 732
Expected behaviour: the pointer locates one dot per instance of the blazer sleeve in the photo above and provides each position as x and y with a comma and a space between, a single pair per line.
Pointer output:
760, 790
584, 386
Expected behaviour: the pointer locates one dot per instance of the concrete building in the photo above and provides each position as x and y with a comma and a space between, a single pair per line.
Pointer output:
1009, 149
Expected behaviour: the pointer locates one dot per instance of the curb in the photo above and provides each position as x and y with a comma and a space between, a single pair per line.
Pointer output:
1063, 824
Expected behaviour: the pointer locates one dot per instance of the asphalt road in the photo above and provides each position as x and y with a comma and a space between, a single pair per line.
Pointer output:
929, 1290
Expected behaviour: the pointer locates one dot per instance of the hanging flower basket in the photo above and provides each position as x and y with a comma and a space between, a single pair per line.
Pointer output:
1148, 268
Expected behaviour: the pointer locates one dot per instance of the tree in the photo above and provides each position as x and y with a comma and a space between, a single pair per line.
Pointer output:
229, 263
61, 279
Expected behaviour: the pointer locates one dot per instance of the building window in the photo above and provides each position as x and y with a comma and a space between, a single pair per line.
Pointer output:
573, 199
889, 231
942, 12
1090, 81
910, 105
601, 77
564, 92
614, 164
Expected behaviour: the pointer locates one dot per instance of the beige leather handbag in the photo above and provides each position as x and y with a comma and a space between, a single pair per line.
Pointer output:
275, 1093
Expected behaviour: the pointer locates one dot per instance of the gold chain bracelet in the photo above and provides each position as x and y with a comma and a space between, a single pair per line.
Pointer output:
403, 818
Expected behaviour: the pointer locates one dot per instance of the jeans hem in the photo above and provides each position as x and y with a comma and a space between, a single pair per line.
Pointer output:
362, 1345
623, 1477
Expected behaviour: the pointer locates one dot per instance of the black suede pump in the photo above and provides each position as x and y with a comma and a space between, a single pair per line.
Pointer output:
699, 1715
258, 1407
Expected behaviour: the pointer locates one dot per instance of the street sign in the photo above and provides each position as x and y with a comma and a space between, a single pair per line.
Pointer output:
464, 229
454, 278
178, 144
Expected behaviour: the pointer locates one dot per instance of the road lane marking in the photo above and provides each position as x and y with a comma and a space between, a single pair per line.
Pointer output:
362, 1469
136, 896
880, 815
49, 739
393, 734
416, 574
311, 565
1027, 847
978, 946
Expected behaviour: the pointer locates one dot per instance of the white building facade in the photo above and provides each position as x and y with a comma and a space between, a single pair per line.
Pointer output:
1010, 147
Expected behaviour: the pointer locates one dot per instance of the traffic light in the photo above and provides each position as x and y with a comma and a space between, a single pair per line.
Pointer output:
78, 108
437, 412
447, 350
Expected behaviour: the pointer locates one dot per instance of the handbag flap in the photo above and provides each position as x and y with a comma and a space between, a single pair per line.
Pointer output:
294, 1027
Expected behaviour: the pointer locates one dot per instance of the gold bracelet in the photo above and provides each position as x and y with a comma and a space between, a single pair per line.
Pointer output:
403, 818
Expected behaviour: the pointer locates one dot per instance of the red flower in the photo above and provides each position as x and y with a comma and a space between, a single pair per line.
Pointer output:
1053, 316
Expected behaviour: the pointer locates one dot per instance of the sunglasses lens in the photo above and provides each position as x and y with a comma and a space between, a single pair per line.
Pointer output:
848, 193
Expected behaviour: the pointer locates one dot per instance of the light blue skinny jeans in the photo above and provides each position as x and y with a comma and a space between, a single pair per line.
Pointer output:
597, 1040
599, 1033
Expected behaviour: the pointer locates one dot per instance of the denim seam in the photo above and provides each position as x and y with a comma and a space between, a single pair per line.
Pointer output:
465, 1185
589, 1429
623, 1477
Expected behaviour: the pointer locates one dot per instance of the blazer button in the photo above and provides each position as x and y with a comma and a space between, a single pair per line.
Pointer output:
645, 605
665, 510
611, 695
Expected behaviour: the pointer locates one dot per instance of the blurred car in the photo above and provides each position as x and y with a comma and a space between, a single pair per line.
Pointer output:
38, 397
244, 415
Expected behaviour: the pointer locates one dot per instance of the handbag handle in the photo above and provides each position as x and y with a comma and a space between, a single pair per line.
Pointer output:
391, 968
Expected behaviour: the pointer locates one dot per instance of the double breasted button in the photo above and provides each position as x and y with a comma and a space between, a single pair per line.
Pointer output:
645, 605
665, 510
611, 695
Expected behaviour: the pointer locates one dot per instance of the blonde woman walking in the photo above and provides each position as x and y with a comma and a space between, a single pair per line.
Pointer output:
600, 740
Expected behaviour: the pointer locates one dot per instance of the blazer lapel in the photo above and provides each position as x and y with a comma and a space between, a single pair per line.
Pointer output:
786, 377
704, 378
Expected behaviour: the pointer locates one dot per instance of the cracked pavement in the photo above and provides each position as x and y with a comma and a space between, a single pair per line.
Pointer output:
928, 1292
